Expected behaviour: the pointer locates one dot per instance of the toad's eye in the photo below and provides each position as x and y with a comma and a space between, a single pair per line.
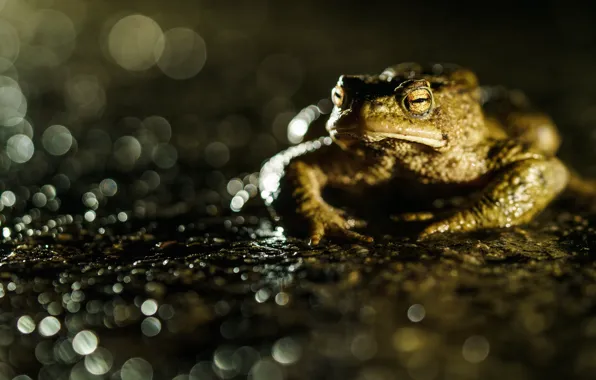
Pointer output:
418, 101
338, 96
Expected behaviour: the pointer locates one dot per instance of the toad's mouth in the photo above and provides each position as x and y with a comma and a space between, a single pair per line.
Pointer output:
376, 131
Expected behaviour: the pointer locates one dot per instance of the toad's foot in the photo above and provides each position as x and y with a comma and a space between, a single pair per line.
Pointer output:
326, 220
518, 193
454, 224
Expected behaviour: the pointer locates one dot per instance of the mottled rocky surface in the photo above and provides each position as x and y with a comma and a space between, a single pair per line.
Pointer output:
223, 298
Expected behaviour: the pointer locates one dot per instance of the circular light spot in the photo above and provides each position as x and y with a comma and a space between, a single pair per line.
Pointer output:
217, 154
63, 352
476, 349
6, 336
10, 43
49, 326
159, 126
262, 295
364, 346
236, 203
149, 307
182, 377
117, 288
22, 377
108, 187
57, 140
225, 362
234, 186
151, 326
49, 191
89, 216
408, 339
25, 324
85, 95
6, 371
85, 342
152, 179
282, 298
20, 148
286, 351
53, 31
416, 313
184, 53
90, 200
136, 369
39, 200
136, 42
266, 369
8, 198
99, 362
127, 150
13, 104
7, 69
296, 130
165, 156
202, 370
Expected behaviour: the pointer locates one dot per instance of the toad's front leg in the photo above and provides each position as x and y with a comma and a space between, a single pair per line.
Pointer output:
307, 181
330, 166
519, 191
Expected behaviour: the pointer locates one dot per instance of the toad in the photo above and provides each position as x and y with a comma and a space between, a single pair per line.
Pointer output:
423, 133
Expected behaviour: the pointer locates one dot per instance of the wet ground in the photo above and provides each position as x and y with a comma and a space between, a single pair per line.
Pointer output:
227, 298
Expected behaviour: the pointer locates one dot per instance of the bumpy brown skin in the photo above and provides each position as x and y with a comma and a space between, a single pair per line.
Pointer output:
429, 129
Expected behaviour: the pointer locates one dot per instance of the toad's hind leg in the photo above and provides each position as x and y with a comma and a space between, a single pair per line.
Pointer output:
511, 112
519, 192
535, 129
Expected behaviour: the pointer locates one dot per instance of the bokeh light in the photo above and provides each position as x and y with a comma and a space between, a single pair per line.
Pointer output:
26, 325
9, 41
13, 104
85, 342
136, 369
20, 148
99, 362
57, 140
416, 313
85, 95
50, 33
151, 326
49, 326
476, 349
136, 42
184, 53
